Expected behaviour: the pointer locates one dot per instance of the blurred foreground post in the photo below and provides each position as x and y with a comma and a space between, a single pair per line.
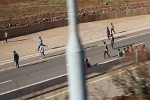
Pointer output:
75, 56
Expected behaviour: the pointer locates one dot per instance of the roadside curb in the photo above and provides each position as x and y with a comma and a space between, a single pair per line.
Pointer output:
63, 47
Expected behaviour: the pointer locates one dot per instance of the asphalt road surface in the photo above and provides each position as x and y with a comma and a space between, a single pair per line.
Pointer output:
55, 64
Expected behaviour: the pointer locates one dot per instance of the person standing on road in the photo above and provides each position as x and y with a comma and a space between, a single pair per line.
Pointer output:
5, 37
112, 41
16, 59
106, 50
108, 33
40, 42
112, 28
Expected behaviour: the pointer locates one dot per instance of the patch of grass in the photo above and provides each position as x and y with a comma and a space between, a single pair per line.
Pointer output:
17, 8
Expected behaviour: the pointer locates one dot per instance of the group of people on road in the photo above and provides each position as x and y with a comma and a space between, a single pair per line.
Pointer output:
111, 38
120, 53
106, 51
131, 49
110, 31
125, 51
41, 49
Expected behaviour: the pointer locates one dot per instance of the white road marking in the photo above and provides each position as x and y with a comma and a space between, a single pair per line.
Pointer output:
32, 55
50, 51
90, 83
11, 67
5, 82
55, 95
45, 59
32, 84
2, 70
39, 82
61, 48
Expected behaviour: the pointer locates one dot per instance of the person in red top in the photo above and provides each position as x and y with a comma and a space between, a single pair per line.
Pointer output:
130, 49
127, 50
142, 47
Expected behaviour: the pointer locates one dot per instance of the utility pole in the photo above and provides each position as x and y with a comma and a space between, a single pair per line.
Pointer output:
75, 56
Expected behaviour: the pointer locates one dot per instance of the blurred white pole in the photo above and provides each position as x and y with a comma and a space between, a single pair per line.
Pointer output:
75, 56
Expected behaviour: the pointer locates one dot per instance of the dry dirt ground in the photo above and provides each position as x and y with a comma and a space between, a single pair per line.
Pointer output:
21, 8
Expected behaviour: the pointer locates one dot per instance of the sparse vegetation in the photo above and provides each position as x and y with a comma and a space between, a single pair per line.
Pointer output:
20, 8
135, 81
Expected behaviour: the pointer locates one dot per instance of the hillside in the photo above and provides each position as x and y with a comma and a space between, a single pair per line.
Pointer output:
22, 8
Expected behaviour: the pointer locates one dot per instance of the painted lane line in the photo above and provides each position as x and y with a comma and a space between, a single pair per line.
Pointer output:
30, 63
59, 49
5, 82
11, 68
45, 59
127, 38
41, 81
2, 70
133, 68
90, 83
55, 95
32, 55
64, 53
32, 84
109, 61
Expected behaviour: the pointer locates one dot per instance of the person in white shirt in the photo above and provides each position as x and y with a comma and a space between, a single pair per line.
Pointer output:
5, 37
41, 50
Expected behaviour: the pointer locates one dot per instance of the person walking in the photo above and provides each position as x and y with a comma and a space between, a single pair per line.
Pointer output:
5, 37
42, 50
112, 28
40, 42
112, 41
16, 59
108, 33
106, 50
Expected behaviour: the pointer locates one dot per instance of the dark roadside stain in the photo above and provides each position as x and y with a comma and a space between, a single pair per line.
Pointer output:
122, 31
90, 46
34, 63
58, 47
43, 61
55, 55
18, 40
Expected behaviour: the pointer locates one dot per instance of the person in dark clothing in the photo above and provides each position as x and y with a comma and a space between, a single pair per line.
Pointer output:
108, 33
16, 59
106, 50
87, 63
112, 41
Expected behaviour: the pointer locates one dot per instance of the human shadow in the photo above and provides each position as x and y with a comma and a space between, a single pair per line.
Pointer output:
18, 40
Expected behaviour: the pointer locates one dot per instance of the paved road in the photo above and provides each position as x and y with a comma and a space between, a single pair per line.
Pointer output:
55, 65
